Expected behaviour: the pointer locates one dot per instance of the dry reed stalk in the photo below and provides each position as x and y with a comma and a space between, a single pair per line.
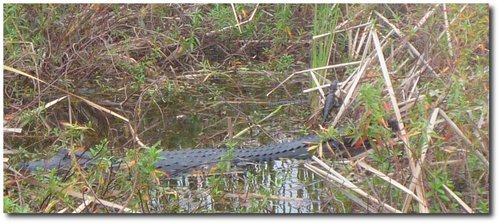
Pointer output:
236, 17
353, 45
84, 204
12, 130
415, 29
352, 27
236, 25
410, 101
366, 32
478, 127
258, 122
72, 193
415, 72
321, 93
361, 71
455, 127
451, 22
63, 210
447, 162
335, 176
350, 93
414, 88
416, 179
461, 134
338, 31
388, 179
427, 15
399, 67
458, 199
319, 87
310, 70
53, 102
446, 28
397, 113
410, 46
92, 104
348, 194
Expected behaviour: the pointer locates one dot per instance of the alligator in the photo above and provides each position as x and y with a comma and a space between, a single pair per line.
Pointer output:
331, 101
181, 161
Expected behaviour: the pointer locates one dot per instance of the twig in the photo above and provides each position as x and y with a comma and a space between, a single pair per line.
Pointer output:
460, 201
236, 25
478, 127
329, 67
455, 127
84, 204
338, 31
63, 210
351, 196
333, 175
97, 106
321, 93
258, 122
399, 67
366, 31
452, 21
353, 44
388, 180
12, 130
309, 70
321, 87
53, 102
236, 17
424, 19
461, 134
75, 194
447, 162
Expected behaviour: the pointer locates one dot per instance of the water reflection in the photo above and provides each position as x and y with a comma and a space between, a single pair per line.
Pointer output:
282, 186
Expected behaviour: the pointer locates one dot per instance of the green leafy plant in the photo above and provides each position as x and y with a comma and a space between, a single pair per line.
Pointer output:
284, 63
12, 206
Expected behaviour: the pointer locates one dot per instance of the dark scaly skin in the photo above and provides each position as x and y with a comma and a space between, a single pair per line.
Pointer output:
330, 101
62, 160
181, 161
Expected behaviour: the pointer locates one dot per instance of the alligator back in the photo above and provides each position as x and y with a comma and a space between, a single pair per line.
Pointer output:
181, 161
62, 161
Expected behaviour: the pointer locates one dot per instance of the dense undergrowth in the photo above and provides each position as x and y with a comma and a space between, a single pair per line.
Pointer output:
191, 75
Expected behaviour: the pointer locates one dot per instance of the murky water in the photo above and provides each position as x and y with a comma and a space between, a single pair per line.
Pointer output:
202, 120
208, 115
273, 187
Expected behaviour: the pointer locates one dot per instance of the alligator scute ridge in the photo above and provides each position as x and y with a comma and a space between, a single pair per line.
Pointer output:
181, 161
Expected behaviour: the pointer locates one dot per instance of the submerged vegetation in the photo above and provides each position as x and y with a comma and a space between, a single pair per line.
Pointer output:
127, 81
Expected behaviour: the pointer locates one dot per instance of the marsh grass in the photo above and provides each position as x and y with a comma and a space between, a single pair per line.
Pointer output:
110, 78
